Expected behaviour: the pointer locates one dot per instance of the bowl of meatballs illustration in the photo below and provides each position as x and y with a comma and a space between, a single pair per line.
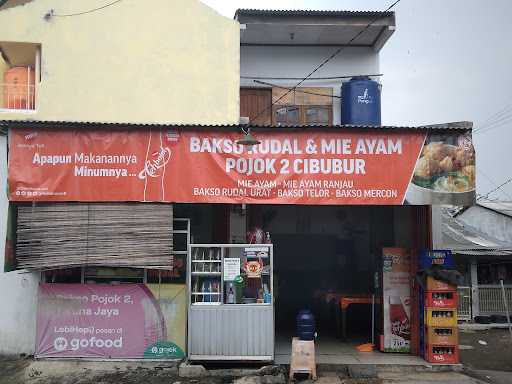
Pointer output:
444, 173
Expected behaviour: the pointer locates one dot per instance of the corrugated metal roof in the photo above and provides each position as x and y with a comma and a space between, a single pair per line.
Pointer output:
299, 27
484, 252
503, 207
465, 240
459, 126
304, 12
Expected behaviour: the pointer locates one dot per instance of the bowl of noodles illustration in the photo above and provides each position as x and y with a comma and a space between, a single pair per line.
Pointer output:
444, 174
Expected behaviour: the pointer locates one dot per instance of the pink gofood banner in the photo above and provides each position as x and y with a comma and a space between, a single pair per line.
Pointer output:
105, 321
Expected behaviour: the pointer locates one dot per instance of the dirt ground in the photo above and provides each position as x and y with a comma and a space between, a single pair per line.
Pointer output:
134, 377
12, 372
494, 354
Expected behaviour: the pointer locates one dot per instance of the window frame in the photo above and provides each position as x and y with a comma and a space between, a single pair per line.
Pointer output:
302, 114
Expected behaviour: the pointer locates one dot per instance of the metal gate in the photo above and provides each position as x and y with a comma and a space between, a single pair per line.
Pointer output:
490, 299
464, 303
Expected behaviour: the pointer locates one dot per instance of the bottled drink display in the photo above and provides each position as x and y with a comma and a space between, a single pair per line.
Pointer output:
443, 332
444, 350
443, 296
442, 314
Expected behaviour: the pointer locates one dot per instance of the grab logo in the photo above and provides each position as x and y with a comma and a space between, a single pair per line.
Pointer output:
60, 344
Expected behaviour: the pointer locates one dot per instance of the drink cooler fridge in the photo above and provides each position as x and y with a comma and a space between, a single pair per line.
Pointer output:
221, 331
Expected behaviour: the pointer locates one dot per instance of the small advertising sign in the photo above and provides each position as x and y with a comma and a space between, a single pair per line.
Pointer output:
396, 300
442, 258
253, 269
256, 252
95, 320
231, 268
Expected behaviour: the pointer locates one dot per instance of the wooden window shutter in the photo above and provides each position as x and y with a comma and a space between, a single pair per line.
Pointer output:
256, 105
63, 235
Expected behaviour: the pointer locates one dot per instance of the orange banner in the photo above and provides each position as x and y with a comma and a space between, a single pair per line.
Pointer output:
288, 167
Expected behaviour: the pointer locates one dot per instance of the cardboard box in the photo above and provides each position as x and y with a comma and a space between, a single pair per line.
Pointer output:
437, 285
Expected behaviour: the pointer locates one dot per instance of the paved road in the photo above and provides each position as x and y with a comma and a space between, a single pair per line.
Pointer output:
402, 378
494, 377
428, 378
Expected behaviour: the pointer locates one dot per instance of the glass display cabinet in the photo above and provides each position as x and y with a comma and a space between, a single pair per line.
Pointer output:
231, 303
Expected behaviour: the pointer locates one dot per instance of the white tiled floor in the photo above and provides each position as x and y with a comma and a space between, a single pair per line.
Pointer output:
334, 351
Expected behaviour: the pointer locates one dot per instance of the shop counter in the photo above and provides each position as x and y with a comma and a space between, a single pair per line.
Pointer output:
231, 304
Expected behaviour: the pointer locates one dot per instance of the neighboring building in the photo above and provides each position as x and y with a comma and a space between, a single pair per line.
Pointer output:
164, 62
480, 238
133, 62
135, 203
279, 48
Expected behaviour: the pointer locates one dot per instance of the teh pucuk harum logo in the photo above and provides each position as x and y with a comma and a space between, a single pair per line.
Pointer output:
60, 343
158, 160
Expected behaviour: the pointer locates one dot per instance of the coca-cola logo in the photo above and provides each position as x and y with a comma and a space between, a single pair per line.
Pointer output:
158, 160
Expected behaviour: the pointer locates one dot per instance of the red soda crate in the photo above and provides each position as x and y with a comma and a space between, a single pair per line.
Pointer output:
442, 354
442, 336
441, 299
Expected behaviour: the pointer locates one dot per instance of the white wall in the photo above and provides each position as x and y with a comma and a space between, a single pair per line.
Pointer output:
437, 227
18, 291
273, 61
485, 220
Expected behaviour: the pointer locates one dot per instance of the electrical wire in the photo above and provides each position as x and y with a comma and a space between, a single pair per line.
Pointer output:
297, 90
479, 170
497, 114
497, 124
332, 56
85, 12
308, 79
495, 189
495, 120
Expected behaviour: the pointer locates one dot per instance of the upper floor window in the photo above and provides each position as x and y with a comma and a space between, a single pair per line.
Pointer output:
303, 115
304, 106
19, 73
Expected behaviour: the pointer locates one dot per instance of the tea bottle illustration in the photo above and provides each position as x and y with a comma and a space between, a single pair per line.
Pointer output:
157, 156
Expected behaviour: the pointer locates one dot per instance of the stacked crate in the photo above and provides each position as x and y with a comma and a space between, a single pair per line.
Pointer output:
440, 319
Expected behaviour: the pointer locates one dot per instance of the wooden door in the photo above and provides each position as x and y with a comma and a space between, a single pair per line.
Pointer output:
255, 103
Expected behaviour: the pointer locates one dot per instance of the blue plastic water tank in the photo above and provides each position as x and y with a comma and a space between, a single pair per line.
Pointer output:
360, 102
305, 325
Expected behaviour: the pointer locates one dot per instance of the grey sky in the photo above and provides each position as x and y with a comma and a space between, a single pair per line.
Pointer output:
447, 61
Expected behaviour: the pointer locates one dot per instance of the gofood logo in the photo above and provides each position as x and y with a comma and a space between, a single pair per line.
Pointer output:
61, 343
